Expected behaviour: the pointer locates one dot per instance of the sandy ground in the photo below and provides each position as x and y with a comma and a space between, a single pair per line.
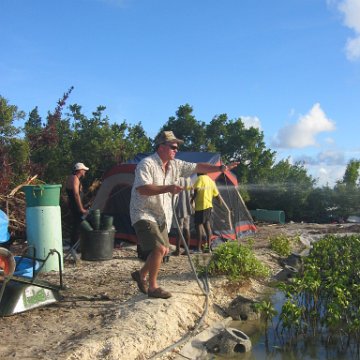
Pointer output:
102, 315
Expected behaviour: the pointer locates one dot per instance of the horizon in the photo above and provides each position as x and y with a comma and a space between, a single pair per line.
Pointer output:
291, 69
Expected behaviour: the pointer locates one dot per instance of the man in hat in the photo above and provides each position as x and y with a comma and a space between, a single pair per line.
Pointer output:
74, 192
156, 179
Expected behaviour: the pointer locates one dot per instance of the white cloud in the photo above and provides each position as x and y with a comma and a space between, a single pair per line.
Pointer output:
353, 48
327, 167
328, 158
303, 133
326, 175
351, 12
251, 121
329, 140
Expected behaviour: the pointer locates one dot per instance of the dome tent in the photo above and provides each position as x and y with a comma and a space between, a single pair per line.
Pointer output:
229, 222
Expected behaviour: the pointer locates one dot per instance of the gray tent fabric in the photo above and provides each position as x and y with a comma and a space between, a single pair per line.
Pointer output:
229, 222
183, 201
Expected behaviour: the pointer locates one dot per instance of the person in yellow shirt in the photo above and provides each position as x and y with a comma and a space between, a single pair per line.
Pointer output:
205, 191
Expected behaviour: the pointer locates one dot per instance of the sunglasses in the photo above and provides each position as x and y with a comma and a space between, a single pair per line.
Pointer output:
173, 147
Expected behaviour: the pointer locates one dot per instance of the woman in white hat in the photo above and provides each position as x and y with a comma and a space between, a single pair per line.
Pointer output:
74, 192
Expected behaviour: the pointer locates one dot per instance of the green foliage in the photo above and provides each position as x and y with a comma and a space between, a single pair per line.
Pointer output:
33, 124
63, 141
19, 150
284, 187
236, 261
201, 265
291, 316
347, 199
282, 244
100, 144
235, 142
50, 143
325, 297
346, 192
187, 128
50, 149
95, 142
266, 309
321, 206
135, 142
14, 152
8, 114
351, 175
230, 138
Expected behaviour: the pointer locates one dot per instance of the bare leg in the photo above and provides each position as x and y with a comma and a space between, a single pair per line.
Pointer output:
178, 236
178, 240
208, 233
187, 237
199, 235
152, 266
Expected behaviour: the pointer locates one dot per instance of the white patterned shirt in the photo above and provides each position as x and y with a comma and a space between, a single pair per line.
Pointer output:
156, 208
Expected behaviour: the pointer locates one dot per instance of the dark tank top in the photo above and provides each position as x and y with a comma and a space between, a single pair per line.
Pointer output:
72, 203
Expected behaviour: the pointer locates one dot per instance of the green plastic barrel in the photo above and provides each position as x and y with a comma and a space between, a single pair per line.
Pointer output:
42, 195
43, 224
43, 231
272, 216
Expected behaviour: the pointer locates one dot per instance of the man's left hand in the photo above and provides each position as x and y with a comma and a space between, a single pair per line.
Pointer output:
233, 165
230, 166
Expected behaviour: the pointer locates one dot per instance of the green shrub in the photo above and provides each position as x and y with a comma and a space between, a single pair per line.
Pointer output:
326, 295
236, 261
282, 244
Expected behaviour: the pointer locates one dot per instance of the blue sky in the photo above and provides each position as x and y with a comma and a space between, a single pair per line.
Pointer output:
289, 67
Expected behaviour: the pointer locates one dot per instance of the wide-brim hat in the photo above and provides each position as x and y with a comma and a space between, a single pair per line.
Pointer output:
167, 136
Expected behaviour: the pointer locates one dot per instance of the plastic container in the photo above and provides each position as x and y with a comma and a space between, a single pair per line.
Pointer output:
85, 225
272, 216
25, 267
43, 231
97, 244
107, 222
4, 233
42, 195
96, 219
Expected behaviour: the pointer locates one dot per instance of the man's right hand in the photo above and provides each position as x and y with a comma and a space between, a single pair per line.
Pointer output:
175, 189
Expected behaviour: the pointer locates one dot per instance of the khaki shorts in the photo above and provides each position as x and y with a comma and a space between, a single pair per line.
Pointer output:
150, 235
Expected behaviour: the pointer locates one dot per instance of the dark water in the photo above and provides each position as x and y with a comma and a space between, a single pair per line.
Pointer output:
272, 347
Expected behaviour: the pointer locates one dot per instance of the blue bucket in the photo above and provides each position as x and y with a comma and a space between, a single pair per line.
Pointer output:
4, 233
24, 267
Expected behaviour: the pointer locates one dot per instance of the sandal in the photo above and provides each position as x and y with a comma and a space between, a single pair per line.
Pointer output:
159, 293
140, 282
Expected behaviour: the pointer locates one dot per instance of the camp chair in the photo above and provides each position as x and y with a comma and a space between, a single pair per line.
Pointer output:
72, 251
